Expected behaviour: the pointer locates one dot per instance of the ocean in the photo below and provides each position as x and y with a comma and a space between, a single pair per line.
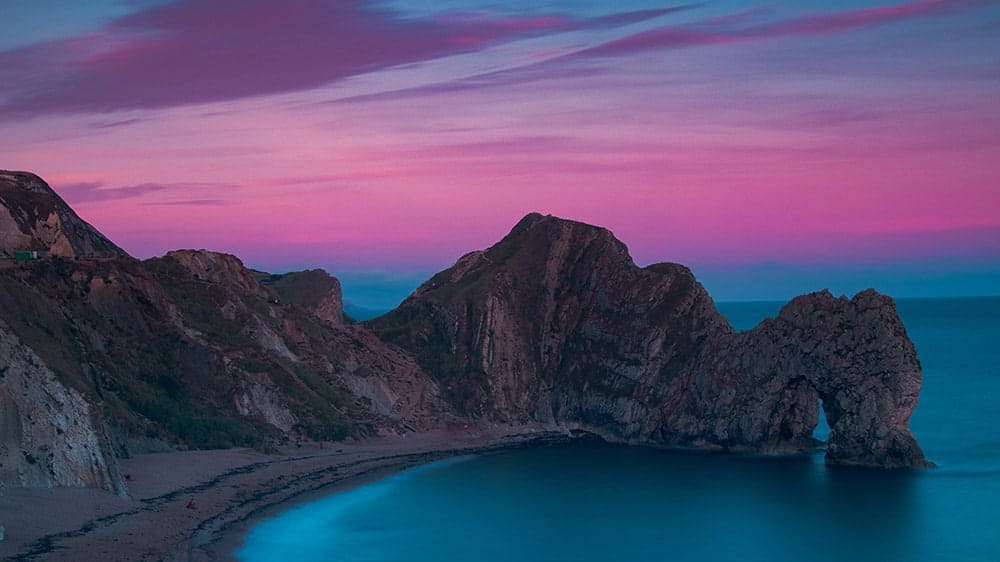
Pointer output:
588, 501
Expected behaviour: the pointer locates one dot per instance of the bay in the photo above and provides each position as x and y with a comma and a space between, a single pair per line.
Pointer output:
590, 501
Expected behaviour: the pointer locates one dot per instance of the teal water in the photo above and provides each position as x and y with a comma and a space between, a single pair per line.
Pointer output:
594, 502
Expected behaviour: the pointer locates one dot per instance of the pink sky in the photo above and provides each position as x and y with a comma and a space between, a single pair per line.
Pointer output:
713, 136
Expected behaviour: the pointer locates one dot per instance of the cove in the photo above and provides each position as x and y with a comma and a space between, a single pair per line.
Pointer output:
588, 501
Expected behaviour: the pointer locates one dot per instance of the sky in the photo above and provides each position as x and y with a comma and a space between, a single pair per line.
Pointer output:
775, 148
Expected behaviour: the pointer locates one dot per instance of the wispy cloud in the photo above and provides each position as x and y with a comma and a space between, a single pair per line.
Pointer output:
626, 18
88, 192
302, 180
117, 123
191, 203
587, 42
852, 19
191, 52
727, 30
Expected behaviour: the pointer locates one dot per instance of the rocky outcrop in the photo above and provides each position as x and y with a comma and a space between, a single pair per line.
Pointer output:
314, 290
257, 396
855, 356
390, 380
298, 363
553, 316
49, 435
34, 218
556, 325
215, 268
189, 350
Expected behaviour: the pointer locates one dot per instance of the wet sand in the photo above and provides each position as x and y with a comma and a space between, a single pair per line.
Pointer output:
228, 489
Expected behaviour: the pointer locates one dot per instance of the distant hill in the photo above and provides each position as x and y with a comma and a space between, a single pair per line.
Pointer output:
361, 313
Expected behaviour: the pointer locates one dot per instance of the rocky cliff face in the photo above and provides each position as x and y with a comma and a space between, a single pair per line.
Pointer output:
184, 351
854, 355
49, 435
552, 318
556, 325
102, 355
314, 290
33, 217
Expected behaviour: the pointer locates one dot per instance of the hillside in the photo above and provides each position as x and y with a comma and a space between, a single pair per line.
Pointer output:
189, 350
553, 328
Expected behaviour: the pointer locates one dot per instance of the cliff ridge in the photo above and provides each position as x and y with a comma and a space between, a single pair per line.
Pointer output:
554, 327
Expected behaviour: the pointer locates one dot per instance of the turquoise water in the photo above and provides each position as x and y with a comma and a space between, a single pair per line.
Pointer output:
593, 502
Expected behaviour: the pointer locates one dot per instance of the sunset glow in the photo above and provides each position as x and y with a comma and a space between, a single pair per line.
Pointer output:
382, 140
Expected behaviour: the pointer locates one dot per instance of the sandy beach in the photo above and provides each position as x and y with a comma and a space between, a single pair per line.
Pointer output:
198, 505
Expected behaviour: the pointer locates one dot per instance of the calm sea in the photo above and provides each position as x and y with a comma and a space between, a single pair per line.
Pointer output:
591, 502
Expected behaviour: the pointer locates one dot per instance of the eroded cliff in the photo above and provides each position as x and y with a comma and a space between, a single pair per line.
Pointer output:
49, 434
553, 327
189, 350
556, 325
34, 218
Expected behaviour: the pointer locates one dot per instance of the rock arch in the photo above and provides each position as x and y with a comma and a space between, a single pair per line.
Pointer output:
859, 362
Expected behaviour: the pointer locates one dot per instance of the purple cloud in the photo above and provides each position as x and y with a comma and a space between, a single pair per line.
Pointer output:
118, 123
301, 180
193, 52
720, 31
626, 18
851, 19
190, 203
87, 192
93, 191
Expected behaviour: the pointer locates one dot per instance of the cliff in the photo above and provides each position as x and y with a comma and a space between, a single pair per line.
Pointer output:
556, 325
852, 355
105, 355
49, 435
553, 327
314, 290
34, 218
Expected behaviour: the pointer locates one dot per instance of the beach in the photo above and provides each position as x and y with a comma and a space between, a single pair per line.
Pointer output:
198, 505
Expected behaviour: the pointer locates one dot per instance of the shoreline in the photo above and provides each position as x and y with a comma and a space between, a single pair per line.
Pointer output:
231, 490
223, 543
229, 540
